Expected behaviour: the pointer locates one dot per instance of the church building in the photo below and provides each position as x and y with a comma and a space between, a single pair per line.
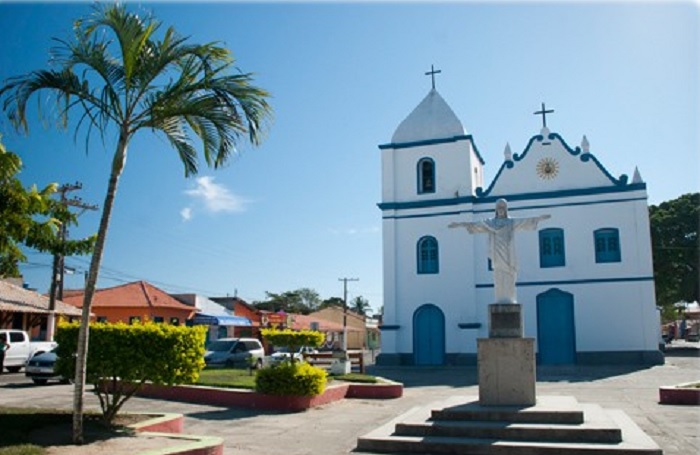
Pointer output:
585, 277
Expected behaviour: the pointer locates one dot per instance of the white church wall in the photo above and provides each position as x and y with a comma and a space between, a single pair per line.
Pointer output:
453, 168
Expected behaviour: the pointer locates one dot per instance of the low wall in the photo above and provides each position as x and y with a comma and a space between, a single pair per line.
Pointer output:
680, 394
253, 400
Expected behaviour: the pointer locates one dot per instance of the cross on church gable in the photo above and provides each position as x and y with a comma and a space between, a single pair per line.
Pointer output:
544, 113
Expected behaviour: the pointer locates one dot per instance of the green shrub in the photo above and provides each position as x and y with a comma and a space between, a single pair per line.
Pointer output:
124, 357
288, 378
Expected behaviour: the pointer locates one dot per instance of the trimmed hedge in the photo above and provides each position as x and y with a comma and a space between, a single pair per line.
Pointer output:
294, 339
288, 378
123, 357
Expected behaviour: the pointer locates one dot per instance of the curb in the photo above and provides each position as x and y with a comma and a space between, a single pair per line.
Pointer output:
680, 394
170, 425
253, 400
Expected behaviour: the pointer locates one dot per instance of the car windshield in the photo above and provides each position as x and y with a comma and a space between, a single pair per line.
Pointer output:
221, 345
282, 349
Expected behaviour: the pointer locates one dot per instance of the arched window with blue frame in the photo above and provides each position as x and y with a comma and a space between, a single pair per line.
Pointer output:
552, 250
427, 252
607, 245
426, 176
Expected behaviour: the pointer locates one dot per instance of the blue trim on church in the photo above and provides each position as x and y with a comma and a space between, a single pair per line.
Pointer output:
404, 145
584, 157
565, 282
510, 197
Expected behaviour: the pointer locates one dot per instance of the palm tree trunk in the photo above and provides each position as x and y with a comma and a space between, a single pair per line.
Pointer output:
118, 163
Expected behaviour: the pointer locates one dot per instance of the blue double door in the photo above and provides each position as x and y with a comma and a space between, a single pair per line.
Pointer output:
428, 336
556, 334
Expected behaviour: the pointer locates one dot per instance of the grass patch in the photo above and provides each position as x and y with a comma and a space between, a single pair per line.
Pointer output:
357, 377
235, 378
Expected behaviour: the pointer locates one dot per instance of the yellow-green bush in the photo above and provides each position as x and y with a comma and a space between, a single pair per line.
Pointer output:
293, 338
287, 378
126, 356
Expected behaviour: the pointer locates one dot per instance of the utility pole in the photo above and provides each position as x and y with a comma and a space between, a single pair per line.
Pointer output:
59, 268
345, 310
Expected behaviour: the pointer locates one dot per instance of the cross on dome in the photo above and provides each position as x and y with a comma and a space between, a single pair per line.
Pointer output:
432, 74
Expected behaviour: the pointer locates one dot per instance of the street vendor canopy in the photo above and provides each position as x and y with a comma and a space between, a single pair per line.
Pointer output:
210, 319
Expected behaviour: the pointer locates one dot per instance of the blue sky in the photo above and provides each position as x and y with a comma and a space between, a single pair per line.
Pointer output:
300, 211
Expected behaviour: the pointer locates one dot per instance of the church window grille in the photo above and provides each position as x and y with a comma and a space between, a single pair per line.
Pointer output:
428, 255
607, 245
426, 176
552, 248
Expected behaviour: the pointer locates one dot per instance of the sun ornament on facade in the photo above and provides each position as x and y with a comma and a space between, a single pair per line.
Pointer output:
547, 168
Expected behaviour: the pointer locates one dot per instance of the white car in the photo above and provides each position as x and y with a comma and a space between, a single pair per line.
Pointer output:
282, 353
235, 352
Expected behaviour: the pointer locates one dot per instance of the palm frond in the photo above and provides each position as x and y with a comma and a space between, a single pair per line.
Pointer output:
64, 84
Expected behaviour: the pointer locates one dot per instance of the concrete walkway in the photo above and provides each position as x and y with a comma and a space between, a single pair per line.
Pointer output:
334, 428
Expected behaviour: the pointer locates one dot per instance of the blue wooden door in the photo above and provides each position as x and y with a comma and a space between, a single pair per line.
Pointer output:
429, 336
556, 335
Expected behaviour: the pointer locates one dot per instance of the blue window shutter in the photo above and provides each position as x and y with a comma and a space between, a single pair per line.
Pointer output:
552, 248
607, 245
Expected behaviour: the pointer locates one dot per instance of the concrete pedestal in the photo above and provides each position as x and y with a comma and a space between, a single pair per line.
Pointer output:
506, 371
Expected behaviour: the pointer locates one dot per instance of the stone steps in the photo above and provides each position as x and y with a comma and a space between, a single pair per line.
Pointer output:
555, 425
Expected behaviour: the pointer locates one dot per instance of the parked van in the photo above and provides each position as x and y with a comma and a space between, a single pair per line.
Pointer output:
22, 349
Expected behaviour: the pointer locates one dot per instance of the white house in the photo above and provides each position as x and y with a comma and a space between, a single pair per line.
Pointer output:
585, 277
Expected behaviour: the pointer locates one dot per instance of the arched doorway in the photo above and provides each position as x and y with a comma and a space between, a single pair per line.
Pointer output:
556, 335
428, 336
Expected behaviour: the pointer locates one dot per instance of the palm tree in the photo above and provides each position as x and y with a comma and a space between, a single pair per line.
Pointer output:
122, 79
360, 305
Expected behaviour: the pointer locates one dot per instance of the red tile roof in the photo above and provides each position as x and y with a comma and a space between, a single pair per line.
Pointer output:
139, 294
303, 322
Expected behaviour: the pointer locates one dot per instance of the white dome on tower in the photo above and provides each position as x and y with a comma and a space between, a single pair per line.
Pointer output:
431, 119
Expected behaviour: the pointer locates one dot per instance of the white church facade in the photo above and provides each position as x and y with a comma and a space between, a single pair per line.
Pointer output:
585, 277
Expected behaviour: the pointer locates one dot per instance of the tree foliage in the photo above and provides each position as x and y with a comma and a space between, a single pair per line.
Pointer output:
301, 301
123, 357
360, 305
676, 248
30, 217
294, 339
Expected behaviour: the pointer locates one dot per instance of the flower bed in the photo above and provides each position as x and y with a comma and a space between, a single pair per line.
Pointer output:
254, 400
688, 394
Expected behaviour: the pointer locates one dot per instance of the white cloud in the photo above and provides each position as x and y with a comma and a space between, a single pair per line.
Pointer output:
216, 197
186, 214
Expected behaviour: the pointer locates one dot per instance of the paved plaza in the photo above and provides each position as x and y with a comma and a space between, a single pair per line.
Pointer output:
334, 428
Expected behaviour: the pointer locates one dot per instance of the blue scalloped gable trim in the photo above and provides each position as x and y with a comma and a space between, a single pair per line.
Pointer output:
404, 145
584, 157
483, 199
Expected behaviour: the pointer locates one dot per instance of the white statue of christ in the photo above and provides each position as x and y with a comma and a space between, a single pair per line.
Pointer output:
501, 231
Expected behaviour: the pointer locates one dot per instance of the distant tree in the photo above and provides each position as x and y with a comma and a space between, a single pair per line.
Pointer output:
30, 217
309, 298
676, 248
333, 301
359, 305
122, 79
300, 301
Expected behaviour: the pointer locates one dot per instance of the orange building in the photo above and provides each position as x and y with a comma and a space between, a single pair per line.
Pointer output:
137, 301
